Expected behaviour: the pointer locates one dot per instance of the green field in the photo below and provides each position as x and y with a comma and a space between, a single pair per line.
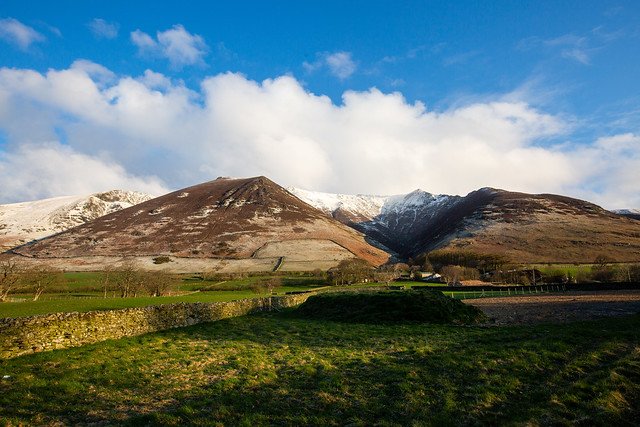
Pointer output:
81, 292
573, 269
277, 369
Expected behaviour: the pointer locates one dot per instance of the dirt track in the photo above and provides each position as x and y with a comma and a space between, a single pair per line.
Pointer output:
558, 308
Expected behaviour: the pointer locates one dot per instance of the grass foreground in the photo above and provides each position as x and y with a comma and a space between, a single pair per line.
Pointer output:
276, 368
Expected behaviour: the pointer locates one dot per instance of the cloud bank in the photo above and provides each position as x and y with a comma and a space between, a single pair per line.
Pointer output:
84, 129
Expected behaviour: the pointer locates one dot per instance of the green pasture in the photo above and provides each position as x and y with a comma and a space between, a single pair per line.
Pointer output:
279, 369
81, 293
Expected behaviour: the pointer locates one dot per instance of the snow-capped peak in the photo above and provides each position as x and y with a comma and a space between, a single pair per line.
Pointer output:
368, 207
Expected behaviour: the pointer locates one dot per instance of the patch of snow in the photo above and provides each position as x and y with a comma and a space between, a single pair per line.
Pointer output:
626, 211
204, 212
364, 205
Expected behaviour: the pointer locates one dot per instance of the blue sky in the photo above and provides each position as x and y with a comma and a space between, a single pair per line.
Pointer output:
554, 83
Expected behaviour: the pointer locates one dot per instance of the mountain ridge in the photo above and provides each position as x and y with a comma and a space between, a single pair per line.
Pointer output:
223, 218
26, 221
525, 227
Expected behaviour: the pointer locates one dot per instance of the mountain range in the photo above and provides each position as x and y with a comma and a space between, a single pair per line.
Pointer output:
256, 219
234, 219
523, 227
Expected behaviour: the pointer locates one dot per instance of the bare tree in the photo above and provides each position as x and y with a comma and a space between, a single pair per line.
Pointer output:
453, 274
40, 278
273, 283
268, 285
9, 276
107, 278
129, 280
157, 283
386, 276
350, 271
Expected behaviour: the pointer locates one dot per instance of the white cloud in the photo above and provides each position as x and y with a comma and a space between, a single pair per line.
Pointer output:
612, 164
96, 72
103, 29
176, 44
339, 64
15, 32
143, 41
37, 171
372, 142
569, 46
576, 54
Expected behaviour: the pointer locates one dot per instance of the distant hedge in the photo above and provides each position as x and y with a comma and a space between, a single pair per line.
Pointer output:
389, 306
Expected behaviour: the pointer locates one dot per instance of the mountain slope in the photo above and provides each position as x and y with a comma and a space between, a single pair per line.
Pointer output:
392, 222
24, 222
225, 218
540, 228
523, 227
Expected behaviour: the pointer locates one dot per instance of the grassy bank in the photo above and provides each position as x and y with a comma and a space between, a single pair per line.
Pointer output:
277, 369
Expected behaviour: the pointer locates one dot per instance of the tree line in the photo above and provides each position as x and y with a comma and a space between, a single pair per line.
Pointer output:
124, 281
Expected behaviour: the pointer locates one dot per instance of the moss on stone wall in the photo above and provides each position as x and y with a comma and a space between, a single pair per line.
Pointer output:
26, 335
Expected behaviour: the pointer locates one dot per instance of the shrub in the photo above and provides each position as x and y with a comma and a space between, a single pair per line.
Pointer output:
161, 260
389, 306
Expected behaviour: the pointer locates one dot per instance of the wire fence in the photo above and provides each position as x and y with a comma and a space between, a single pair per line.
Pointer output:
507, 292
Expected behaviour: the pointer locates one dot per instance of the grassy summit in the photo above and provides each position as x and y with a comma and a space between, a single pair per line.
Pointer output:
396, 306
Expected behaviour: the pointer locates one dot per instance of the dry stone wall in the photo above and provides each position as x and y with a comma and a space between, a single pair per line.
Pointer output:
24, 335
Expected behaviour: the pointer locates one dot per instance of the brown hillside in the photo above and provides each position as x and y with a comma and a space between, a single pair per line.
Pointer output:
225, 218
534, 228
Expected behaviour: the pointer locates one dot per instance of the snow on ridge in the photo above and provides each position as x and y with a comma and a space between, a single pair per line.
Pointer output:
362, 204
369, 206
26, 221
626, 211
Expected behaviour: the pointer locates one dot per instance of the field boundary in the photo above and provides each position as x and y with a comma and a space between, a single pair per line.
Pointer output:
26, 335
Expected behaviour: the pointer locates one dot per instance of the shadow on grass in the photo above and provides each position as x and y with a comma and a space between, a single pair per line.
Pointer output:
275, 369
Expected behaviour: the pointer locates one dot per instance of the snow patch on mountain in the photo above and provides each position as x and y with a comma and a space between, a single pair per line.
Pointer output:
366, 206
627, 211
372, 207
390, 222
